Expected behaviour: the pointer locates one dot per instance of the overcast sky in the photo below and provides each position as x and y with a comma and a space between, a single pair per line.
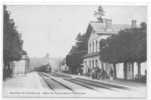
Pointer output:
52, 29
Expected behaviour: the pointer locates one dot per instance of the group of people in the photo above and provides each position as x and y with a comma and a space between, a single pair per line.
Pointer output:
97, 73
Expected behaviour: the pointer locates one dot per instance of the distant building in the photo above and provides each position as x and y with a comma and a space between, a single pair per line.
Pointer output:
20, 67
64, 68
98, 31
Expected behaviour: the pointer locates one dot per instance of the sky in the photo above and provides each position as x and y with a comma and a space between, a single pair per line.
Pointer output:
52, 29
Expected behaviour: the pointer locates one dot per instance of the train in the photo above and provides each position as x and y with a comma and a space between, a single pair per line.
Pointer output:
44, 68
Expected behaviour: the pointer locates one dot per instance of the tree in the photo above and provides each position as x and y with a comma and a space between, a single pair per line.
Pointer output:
75, 57
12, 43
99, 14
74, 62
128, 46
141, 49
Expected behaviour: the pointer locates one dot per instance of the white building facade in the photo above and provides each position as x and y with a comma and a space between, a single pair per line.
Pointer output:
98, 32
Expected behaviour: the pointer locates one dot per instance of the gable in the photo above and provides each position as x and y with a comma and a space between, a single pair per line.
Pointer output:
107, 29
97, 29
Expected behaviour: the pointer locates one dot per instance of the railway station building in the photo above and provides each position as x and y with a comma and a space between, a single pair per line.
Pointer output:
102, 30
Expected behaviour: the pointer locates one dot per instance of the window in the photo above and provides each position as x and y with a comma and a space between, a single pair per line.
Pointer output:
96, 45
93, 63
88, 47
85, 63
90, 63
96, 63
129, 68
91, 47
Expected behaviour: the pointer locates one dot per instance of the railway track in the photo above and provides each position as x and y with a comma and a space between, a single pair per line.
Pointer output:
91, 84
105, 85
54, 84
81, 84
88, 85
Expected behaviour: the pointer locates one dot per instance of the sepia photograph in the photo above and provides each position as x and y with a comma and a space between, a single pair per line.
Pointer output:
75, 51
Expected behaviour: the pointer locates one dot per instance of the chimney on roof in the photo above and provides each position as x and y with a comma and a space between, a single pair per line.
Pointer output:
108, 23
133, 24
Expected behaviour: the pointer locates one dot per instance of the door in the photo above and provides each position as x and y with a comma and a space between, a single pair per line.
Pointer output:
129, 71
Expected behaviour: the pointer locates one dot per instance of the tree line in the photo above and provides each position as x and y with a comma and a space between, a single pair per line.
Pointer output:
12, 43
